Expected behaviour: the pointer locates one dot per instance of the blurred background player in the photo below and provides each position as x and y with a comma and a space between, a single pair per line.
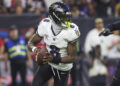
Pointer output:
16, 52
95, 48
93, 38
110, 29
113, 45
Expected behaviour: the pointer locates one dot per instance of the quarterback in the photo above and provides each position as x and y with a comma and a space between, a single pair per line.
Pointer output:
110, 28
60, 36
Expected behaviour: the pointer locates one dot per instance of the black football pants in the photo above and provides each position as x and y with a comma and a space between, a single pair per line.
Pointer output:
45, 72
21, 68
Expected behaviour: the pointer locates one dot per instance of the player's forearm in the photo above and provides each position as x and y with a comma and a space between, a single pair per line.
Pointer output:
33, 41
31, 45
29, 55
68, 59
110, 28
114, 26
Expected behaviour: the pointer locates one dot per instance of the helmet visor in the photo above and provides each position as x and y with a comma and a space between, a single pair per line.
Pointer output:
64, 17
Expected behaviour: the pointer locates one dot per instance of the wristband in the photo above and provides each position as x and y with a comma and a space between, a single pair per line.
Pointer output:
56, 60
33, 49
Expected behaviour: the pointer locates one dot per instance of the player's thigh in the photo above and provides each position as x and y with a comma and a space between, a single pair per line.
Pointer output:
22, 70
61, 78
14, 70
42, 75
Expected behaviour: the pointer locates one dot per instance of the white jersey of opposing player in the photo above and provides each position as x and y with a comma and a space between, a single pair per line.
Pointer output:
58, 43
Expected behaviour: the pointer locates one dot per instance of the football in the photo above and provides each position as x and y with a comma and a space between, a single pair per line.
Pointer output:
41, 53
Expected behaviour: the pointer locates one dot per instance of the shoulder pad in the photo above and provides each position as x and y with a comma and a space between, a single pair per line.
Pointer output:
46, 20
73, 33
72, 26
77, 32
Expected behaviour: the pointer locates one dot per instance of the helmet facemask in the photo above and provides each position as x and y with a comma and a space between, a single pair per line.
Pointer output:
65, 20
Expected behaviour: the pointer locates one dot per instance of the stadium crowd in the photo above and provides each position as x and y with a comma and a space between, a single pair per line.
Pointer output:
80, 8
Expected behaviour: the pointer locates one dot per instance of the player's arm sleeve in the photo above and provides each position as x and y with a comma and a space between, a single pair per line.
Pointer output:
114, 26
40, 29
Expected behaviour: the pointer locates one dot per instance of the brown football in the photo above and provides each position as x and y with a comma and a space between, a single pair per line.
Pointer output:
40, 54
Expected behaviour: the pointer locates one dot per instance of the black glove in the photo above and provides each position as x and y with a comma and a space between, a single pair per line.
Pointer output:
106, 32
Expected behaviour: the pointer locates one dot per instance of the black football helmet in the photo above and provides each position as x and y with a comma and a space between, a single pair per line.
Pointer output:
60, 13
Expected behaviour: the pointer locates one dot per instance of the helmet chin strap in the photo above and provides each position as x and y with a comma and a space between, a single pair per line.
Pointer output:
63, 25
66, 24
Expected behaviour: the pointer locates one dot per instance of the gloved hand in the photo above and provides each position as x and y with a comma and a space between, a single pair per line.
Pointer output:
106, 32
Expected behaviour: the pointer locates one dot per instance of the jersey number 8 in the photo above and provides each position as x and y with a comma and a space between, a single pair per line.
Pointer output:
54, 51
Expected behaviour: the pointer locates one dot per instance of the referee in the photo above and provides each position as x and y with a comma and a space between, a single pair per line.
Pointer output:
15, 50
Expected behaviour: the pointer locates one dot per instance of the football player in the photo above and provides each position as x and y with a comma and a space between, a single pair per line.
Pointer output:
110, 28
60, 36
